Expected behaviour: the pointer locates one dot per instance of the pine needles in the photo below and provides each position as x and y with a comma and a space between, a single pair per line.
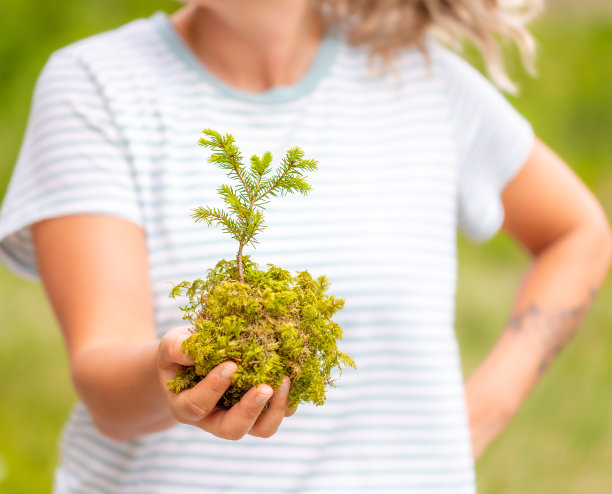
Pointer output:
254, 186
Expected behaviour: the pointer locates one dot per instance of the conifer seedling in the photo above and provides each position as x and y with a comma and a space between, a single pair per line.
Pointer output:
272, 324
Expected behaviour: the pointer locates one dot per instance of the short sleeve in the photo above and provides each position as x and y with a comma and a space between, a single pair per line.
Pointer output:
72, 161
493, 142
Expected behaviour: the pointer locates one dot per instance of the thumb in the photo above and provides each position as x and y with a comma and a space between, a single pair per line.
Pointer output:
170, 351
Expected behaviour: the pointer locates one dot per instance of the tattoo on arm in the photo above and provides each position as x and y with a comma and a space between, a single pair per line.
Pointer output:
554, 328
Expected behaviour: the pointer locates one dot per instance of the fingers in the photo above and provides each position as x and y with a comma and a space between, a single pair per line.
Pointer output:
234, 423
192, 406
198, 405
269, 421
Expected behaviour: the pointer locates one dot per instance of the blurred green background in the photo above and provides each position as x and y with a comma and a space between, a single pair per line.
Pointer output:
561, 440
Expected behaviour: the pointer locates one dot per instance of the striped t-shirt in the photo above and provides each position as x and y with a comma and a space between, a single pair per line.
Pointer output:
405, 158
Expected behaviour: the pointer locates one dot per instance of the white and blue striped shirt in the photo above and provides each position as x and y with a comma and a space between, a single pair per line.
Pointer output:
405, 159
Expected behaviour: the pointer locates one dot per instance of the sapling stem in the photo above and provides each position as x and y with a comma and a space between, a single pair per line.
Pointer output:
239, 261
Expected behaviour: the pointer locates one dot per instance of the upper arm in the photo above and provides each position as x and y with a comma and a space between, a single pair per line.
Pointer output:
546, 201
95, 271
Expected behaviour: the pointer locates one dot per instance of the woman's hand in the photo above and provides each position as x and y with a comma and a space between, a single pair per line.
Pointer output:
198, 405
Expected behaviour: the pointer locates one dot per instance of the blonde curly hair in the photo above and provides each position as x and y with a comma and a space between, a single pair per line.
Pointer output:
387, 26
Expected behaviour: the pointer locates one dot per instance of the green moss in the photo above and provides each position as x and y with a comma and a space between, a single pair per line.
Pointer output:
272, 325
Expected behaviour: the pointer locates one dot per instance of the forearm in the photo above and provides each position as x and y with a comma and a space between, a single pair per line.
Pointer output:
119, 384
554, 297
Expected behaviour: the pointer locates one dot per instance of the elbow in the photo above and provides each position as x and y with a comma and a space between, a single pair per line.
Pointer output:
607, 246
111, 419
100, 409
127, 432
110, 431
603, 241
86, 394
598, 242
118, 406
120, 431
607, 241
585, 249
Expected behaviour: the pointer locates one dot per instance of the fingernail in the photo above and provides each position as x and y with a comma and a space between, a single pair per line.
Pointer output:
284, 388
228, 371
263, 396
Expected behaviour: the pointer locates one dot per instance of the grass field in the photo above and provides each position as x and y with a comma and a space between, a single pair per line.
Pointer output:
561, 440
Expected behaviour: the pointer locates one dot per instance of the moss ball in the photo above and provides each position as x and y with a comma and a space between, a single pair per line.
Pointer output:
272, 325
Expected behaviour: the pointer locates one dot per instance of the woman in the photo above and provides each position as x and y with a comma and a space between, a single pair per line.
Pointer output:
99, 207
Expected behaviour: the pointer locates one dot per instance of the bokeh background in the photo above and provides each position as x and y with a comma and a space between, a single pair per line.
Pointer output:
561, 440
